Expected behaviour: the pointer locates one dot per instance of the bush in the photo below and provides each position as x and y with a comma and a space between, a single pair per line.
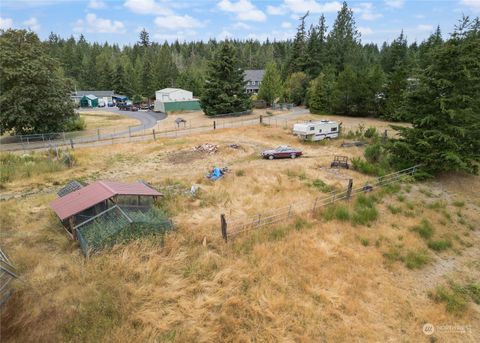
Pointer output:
240, 172
417, 259
366, 167
440, 245
393, 209
342, 213
75, 124
425, 229
455, 301
373, 153
371, 132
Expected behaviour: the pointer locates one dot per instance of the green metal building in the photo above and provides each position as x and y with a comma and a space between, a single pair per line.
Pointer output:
175, 99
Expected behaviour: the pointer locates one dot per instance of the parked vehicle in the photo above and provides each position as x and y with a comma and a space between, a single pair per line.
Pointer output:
283, 151
317, 130
127, 107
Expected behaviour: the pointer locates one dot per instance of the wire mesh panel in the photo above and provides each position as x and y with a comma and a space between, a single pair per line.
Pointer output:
119, 225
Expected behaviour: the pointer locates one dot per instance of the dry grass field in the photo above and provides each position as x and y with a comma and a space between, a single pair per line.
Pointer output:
326, 276
105, 119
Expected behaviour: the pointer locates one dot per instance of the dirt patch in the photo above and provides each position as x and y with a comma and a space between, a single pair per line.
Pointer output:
185, 156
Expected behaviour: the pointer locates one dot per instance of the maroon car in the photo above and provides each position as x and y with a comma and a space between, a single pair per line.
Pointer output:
283, 151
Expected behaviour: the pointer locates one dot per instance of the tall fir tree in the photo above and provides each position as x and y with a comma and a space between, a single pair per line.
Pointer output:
446, 128
271, 87
224, 90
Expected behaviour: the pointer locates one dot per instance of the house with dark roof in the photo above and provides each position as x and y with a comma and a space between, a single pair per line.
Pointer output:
253, 79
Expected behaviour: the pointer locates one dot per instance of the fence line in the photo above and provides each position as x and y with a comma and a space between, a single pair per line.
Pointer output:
128, 135
237, 226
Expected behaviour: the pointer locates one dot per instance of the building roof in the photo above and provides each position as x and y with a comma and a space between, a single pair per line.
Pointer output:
98, 94
254, 75
171, 90
93, 194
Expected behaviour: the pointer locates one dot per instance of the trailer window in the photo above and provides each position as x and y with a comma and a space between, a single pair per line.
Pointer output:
319, 130
334, 129
312, 128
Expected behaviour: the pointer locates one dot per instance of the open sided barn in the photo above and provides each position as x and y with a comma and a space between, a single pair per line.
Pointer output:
104, 213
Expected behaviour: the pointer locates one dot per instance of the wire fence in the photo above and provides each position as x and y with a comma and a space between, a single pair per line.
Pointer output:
107, 136
120, 224
238, 226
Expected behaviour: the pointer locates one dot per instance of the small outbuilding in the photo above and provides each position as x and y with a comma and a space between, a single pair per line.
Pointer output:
175, 99
79, 206
89, 101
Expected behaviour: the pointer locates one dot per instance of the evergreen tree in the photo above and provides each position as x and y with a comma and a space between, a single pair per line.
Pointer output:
446, 129
271, 87
295, 88
297, 61
317, 95
34, 96
345, 92
144, 38
343, 39
224, 90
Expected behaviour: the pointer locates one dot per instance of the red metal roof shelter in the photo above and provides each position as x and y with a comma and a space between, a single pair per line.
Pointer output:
93, 194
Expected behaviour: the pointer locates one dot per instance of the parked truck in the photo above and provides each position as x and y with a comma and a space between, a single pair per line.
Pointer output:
317, 130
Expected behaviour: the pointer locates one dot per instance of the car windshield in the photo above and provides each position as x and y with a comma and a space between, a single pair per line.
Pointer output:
283, 148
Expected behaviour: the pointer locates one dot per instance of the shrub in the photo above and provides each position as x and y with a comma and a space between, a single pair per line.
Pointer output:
371, 132
240, 172
424, 229
440, 245
417, 259
458, 203
373, 153
366, 167
75, 124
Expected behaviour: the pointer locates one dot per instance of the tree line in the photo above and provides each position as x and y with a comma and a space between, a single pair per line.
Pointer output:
433, 84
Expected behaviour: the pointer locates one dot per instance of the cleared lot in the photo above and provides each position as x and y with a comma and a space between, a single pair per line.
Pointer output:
310, 279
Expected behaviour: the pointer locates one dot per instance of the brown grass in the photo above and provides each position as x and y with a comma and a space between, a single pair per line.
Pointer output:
104, 119
305, 280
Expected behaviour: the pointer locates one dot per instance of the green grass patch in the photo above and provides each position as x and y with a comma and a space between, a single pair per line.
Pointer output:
440, 244
436, 205
338, 212
417, 259
365, 242
456, 296
424, 229
322, 186
459, 203
393, 209
365, 211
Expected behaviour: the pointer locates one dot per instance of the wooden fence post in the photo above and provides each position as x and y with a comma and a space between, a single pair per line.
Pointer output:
98, 134
71, 143
129, 131
314, 205
223, 223
349, 190
153, 133
261, 119
214, 125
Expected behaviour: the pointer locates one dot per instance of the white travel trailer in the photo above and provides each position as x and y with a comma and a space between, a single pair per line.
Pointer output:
317, 130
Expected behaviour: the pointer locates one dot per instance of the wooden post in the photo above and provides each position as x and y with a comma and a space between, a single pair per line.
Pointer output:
223, 225
261, 119
214, 125
153, 133
129, 131
71, 143
259, 218
98, 134
349, 189
314, 205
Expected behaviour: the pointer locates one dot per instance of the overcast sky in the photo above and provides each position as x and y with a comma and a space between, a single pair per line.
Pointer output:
118, 21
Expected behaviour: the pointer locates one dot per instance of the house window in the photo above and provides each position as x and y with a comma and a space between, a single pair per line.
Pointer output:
334, 129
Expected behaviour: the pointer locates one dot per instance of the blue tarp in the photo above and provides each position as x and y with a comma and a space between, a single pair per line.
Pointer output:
215, 174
